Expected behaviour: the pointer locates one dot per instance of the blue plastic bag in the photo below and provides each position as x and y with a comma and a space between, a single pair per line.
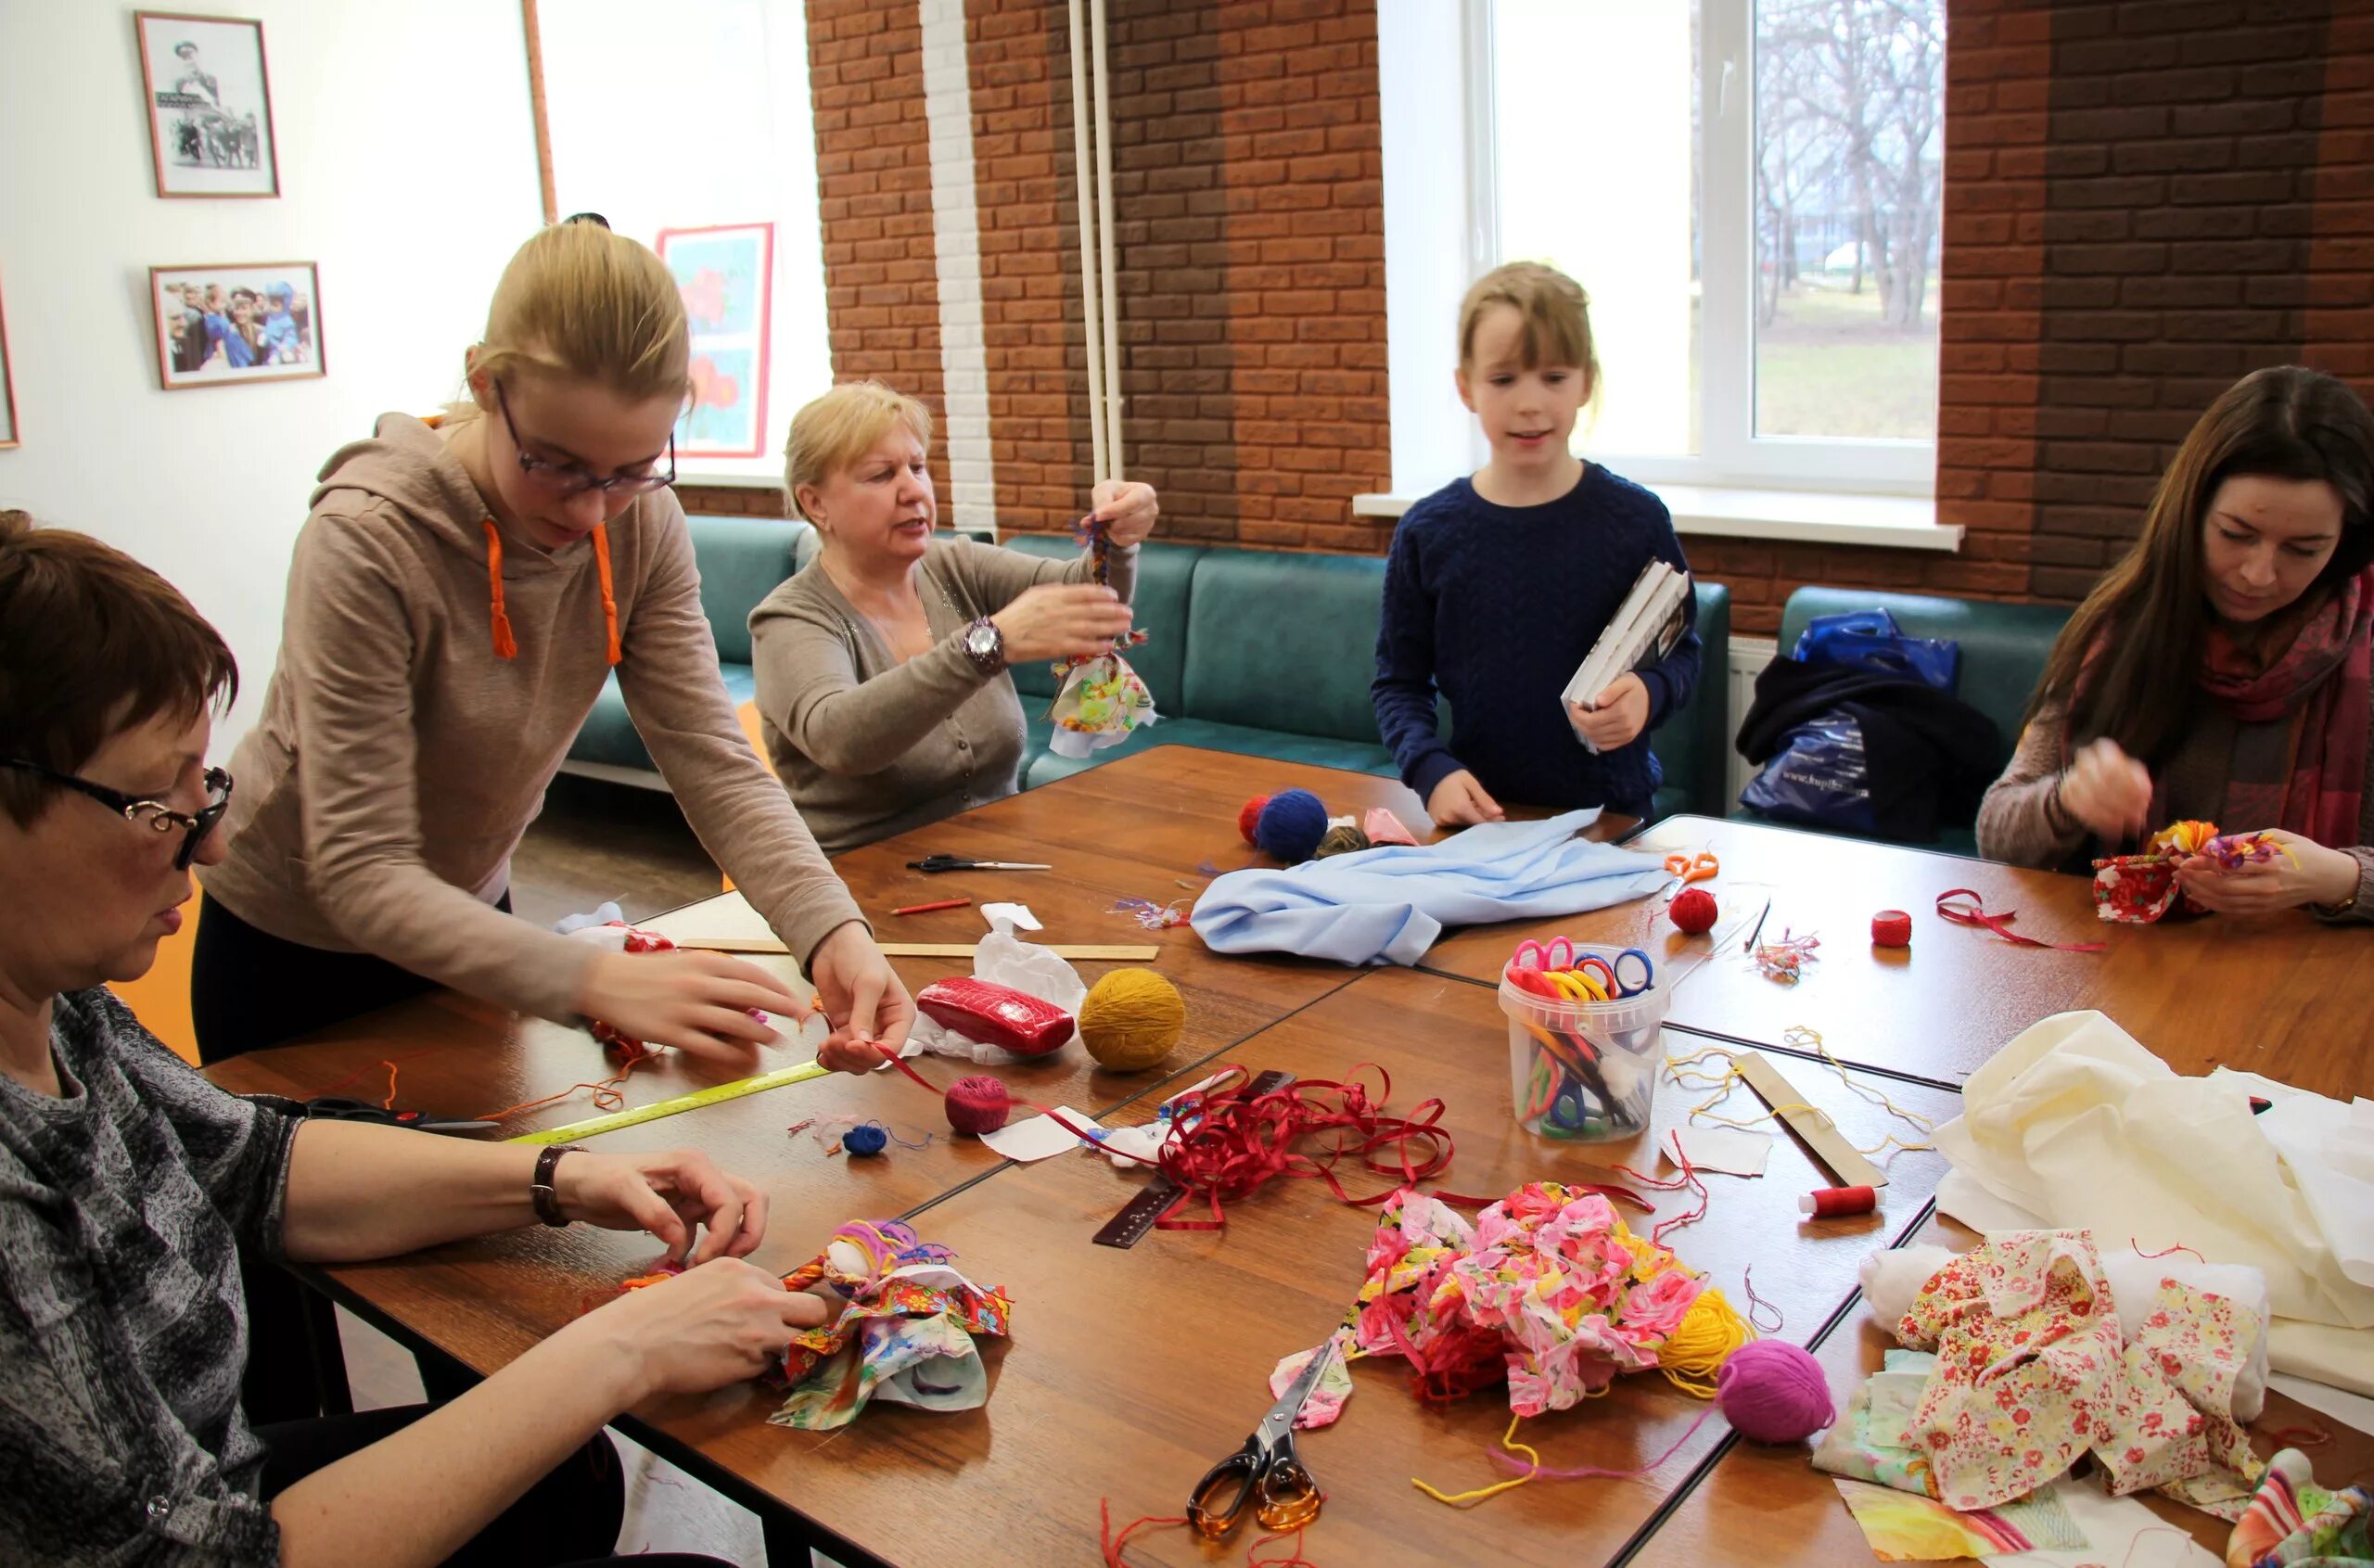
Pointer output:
1819, 778
1870, 639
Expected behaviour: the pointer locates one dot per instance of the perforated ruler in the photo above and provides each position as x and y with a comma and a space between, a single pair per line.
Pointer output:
1137, 1215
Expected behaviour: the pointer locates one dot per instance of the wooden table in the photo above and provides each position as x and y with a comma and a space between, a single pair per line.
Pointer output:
1131, 1370
1757, 1493
2283, 996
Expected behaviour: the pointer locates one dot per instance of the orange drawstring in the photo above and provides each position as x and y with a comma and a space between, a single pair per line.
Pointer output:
505, 644
609, 599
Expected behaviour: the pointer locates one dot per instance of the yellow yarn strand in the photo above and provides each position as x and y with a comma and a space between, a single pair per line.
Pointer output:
1685, 1071
1702, 1342
1509, 1442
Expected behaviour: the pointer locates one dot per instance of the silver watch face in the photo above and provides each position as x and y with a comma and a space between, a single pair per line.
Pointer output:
981, 641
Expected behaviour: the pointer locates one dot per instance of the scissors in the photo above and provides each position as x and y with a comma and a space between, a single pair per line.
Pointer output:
1266, 1473
1558, 954
960, 862
1686, 869
335, 1108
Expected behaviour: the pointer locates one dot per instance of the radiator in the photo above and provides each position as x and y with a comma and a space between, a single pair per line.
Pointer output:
1749, 656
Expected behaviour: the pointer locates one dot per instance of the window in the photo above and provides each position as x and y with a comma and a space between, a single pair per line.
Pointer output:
699, 121
1748, 189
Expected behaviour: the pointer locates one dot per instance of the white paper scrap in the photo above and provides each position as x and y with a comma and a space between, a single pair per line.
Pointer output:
1038, 1137
1731, 1149
1015, 915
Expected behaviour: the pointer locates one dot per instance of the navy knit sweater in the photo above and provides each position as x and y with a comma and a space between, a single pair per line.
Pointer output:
1495, 606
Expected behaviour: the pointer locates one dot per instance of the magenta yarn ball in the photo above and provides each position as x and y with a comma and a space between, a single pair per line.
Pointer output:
1773, 1392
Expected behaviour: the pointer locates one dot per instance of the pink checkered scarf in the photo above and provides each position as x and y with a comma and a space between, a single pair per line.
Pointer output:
2300, 757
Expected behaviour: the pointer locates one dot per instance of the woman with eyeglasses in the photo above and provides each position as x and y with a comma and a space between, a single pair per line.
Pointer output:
458, 598
130, 1185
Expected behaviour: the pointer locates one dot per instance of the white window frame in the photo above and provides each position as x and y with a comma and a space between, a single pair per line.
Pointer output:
1774, 479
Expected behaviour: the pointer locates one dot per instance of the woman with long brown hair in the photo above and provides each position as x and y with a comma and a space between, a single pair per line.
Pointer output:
2220, 671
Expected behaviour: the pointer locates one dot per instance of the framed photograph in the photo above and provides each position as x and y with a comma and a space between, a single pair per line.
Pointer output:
209, 104
8, 385
726, 275
237, 322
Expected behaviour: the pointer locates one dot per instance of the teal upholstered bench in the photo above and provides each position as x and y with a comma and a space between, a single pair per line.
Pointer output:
741, 560
2003, 652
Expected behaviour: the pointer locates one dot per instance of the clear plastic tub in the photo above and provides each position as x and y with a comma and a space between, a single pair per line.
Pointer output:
1584, 1072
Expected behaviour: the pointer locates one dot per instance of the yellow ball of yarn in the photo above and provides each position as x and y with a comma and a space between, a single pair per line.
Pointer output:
1702, 1342
1131, 1019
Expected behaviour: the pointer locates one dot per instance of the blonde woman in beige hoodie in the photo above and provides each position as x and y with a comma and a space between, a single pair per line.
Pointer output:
458, 598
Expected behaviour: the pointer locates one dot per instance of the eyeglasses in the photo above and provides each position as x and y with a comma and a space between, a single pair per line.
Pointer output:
575, 478
155, 814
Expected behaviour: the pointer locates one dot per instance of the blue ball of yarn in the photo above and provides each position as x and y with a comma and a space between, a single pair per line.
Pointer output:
1291, 825
865, 1139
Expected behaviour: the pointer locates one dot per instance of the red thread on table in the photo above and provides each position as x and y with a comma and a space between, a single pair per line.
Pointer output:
1294, 1559
2185, 1535
1780, 1320
1977, 915
2297, 1436
389, 1103
1242, 1142
606, 1095
2137, 1248
1113, 1543
1688, 1181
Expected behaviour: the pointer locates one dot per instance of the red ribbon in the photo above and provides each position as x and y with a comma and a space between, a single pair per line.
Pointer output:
1975, 915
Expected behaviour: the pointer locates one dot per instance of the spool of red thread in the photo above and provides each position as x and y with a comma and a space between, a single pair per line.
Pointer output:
1694, 911
1249, 814
1891, 928
1832, 1202
978, 1105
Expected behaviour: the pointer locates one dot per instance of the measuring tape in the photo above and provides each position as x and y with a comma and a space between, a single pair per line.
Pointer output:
693, 1102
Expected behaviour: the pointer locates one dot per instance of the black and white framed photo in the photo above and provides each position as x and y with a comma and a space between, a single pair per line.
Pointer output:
209, 106
7, 384
247, 320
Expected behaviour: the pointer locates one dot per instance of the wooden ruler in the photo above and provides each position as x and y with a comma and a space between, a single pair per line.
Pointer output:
1822, 1135
1118, 954
1137, 1217
715, 1095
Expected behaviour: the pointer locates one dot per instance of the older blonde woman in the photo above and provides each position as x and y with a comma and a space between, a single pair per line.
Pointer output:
883, 694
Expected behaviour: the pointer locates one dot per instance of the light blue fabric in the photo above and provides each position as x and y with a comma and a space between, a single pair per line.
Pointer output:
1388, 905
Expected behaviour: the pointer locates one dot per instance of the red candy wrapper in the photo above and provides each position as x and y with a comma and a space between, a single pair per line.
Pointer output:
989, 1013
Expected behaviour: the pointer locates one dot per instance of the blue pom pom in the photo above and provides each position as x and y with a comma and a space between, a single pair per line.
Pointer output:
865, 1139
1291, 826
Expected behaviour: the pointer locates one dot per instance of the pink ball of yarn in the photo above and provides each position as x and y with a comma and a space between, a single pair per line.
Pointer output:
1773, 1392
978, 1105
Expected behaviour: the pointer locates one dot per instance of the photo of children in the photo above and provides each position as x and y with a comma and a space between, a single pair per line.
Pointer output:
209, 106
241, 322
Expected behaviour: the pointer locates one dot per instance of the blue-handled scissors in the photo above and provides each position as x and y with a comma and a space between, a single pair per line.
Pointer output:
1265, 1475
1623, 987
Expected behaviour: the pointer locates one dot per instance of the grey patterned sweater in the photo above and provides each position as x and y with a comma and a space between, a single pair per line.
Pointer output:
123, 1333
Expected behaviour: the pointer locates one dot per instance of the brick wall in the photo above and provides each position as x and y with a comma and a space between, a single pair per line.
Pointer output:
2143, 200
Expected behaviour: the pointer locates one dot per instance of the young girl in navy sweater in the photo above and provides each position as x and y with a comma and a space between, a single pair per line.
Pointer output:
1500, 584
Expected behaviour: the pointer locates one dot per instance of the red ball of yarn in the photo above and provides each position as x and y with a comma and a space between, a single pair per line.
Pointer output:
978, 1105
1891, 929
1693, 910
1248, 814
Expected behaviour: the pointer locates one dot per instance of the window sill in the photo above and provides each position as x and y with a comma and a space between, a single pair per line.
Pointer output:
1884, 522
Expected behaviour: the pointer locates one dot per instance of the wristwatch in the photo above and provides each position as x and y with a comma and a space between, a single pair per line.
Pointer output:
540, 1187
985, 645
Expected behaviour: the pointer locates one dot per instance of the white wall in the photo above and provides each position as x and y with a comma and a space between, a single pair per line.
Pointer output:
407, 170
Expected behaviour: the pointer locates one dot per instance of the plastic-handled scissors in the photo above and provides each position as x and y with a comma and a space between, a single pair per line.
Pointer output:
1265, 1475
961, 862
1557, 953
1686, 869
335, 1108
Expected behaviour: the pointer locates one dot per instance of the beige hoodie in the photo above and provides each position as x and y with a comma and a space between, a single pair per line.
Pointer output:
400, 757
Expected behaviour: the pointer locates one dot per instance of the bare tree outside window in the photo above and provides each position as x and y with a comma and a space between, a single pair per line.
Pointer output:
1849, 151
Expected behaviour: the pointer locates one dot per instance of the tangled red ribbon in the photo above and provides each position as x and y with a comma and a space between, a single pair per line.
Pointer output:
1975, 915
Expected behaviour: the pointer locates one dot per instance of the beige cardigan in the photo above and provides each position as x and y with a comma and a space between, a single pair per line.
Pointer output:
870, 747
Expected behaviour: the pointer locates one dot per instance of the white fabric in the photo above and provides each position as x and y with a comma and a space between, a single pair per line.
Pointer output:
2081, 1127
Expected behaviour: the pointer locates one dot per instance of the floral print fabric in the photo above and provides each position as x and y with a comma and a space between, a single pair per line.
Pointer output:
2033, 1372
2293, 1522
